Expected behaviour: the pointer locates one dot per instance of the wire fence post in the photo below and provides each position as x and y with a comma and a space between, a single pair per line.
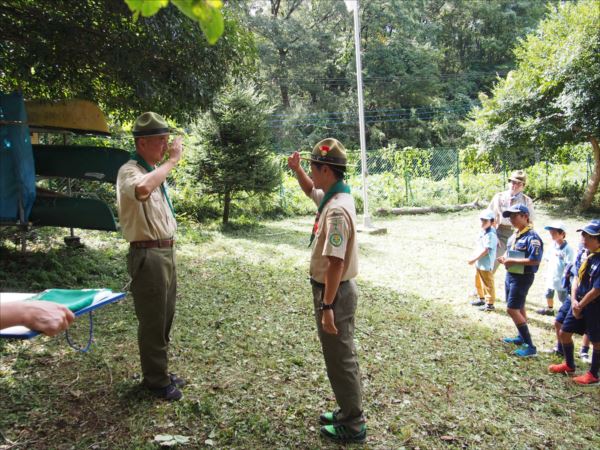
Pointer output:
457, 175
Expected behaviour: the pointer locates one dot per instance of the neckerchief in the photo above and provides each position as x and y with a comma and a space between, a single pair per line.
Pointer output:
339, 187
583, 267
149, 168
518, 234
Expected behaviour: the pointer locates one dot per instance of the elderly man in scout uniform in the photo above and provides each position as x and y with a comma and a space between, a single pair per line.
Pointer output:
148, 223
333, 266
503, 201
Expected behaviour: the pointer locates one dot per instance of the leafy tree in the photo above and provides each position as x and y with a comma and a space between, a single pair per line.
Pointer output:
92, 49
206, 12
553, 96
232, 153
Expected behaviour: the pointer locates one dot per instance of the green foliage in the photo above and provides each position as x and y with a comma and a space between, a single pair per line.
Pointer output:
206, 12
231, 153
553, 96
92, 49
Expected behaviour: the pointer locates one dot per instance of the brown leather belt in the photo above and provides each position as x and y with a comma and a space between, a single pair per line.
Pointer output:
164, 243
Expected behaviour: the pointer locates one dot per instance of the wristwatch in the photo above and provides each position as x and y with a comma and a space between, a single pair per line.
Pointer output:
325, 306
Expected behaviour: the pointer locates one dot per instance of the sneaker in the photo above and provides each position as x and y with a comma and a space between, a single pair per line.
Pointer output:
488, 307
553, 351
525, 351
516, 340
341, 433
477, 302
169, 392
328, 418
546, 311
561, 368
585, 357
587, 379
178, 382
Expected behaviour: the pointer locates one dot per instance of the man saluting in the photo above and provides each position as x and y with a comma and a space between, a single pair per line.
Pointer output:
333, 266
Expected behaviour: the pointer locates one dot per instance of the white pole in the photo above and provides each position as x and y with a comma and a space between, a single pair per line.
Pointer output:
361, 118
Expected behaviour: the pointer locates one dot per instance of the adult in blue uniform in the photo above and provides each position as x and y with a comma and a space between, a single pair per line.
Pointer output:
524, 256
584, 316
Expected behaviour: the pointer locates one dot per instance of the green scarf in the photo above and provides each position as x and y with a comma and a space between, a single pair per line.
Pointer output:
339, 187
149, 168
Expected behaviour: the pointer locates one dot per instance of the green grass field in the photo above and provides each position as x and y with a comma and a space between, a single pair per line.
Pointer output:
435, 373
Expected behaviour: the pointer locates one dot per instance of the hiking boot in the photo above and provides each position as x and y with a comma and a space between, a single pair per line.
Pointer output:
169, 392
587, 379
488, 307
546, 311
328, 418
478, 302
561, 368
178, 382
525, 351
341, 433
516, 340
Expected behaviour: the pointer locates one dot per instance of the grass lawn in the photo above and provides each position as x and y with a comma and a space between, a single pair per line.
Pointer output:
435, 373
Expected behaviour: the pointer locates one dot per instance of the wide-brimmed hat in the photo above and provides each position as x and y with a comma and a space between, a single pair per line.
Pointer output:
518, 175
519, 208
592, 228
329, 151
150, 124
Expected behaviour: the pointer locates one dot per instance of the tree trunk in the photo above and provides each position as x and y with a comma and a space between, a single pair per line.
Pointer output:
588, 197
226, 204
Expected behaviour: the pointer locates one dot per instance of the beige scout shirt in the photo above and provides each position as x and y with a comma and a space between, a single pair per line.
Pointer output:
146, 220
503, 200
336, 236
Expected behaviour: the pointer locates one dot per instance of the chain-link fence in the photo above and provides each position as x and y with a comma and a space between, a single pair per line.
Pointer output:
449, 176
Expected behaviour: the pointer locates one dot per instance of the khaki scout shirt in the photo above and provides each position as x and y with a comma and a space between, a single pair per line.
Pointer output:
147, 220
336, 236
503, 200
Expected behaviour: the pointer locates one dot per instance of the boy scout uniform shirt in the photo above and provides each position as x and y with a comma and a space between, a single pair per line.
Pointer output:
591, 277
336, 236
147, 220
531, 245
503, 200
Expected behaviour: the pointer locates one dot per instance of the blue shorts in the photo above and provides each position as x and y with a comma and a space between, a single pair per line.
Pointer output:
563, 311
588, 324
516, 287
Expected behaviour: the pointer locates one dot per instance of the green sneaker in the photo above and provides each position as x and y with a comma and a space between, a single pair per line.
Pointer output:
328, 418
341, 433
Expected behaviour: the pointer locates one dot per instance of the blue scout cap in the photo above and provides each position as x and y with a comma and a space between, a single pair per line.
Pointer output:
486, 214
516, 209
556, 225
592, 228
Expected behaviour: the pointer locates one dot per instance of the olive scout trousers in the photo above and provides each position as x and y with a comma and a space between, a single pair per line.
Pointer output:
340, 353
154, 286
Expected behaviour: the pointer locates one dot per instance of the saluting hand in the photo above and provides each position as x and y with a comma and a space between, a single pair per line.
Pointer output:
176, 149
328, 322
294, 161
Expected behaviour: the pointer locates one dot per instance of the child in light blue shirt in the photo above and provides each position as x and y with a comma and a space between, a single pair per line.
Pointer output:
484, 259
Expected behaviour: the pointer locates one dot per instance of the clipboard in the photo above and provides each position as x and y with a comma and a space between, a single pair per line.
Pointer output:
518, 269
103, 298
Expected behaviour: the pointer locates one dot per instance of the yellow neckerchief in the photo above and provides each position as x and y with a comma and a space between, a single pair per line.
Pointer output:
583, 267
518, 234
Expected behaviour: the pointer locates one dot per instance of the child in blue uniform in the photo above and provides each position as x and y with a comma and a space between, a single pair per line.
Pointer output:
524, 256
560, 255
584, 316
484, 261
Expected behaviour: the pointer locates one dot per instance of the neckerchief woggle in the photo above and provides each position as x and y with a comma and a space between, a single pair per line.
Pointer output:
518, 234
337, 188
149, 168
584, 265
